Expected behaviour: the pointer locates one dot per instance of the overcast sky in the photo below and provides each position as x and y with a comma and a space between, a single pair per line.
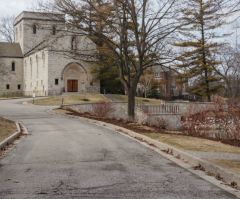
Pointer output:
15, 7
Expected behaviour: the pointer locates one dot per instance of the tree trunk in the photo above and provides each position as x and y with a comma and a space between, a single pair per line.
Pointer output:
131, 103
207, 86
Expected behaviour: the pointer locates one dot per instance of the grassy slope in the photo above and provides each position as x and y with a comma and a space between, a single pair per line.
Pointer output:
6, 128
123, 98
91, 98
202, 145
193, 143
71, 99
233, 165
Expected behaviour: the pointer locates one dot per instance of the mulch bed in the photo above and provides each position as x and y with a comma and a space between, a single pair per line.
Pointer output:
122, 123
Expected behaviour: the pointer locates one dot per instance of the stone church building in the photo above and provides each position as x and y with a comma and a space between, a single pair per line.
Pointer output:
41, 60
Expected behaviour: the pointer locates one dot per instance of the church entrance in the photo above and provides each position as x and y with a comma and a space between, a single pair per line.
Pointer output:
75, 78
72, 86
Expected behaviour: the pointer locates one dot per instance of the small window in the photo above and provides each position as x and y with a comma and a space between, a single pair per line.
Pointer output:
56, 82
73, 43
7, 86
19, 86
13, 66
34, 29
54, 30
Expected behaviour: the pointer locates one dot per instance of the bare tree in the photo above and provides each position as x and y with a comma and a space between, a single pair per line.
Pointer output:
7, 32
146, 81
229, 70
134, 34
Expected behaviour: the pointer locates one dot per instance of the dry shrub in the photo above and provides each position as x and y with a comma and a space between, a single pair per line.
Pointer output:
156, 122
221, 121
103, 109
194, 121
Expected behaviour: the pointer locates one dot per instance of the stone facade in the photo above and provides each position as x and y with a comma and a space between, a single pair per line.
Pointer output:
47, 66
11, 74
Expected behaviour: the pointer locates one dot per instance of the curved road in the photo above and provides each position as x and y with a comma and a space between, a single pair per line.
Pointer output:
65, 158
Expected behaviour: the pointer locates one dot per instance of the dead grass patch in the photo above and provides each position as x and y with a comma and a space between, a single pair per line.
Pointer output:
7, 128
70, 99
233, 165
139, 100
193, 143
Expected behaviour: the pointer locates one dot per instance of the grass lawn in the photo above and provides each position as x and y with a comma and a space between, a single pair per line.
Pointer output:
6, 128
233, 165
123, 98
71, 99
193, 143
89, 98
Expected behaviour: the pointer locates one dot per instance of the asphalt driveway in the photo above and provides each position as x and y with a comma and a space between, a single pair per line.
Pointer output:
66, 158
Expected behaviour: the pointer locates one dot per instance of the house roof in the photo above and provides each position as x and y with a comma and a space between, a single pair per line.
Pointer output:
10, 50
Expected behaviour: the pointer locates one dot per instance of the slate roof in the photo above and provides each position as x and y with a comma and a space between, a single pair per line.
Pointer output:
10, 50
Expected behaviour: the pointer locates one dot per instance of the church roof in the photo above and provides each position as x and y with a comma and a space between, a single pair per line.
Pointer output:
10, 50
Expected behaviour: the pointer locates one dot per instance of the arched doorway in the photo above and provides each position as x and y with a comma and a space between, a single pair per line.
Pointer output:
75, 78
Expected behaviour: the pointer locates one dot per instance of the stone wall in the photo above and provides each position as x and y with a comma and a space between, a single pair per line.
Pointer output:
12, 78
172, 120
36, 73
44, 24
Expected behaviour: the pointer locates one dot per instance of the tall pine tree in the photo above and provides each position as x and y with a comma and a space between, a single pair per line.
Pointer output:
199, 45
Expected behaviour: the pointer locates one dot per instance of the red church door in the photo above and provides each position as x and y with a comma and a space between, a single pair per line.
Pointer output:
72, 85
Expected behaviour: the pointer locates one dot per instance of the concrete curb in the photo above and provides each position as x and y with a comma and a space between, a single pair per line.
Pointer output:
214, 174
11, 138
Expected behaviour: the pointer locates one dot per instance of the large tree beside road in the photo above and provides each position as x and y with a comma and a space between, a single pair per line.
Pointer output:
133, 35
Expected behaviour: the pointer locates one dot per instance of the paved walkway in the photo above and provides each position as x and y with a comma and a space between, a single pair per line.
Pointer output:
65, 158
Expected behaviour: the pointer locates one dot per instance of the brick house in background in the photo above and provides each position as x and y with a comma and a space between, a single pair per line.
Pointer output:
167, 84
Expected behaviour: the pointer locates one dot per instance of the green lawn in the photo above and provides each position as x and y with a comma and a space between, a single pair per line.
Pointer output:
6, 128
71, 99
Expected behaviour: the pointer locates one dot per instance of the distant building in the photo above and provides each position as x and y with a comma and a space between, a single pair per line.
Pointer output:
40, 61
166, 82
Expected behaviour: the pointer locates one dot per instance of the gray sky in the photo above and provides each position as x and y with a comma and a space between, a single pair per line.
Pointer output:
15, 7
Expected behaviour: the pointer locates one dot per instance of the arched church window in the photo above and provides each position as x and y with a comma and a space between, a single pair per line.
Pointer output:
13, 66
54, 30
34, 29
